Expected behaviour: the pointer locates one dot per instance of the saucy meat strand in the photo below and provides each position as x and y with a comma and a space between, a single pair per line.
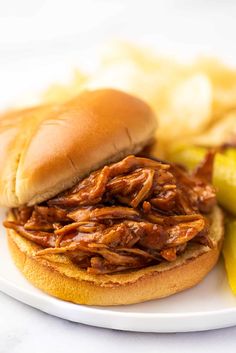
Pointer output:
131, 214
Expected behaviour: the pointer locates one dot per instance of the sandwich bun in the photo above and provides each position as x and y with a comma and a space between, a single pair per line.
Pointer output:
47, 149
59, 277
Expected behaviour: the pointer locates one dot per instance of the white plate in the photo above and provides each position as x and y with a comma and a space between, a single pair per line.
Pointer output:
208, 306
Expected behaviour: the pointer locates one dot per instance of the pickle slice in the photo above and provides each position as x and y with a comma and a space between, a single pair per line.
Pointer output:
229, 253
224, 180
231, 154
187, 155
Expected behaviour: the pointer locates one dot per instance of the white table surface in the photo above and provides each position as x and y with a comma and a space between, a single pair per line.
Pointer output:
184, 27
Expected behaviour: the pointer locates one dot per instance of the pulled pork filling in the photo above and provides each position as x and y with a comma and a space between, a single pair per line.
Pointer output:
131, 214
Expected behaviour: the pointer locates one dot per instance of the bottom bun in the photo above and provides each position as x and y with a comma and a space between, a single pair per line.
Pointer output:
58, 276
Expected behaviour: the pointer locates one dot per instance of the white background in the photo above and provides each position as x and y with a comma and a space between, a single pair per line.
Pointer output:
51, 37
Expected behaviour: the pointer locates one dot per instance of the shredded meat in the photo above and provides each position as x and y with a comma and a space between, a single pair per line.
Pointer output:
134, 213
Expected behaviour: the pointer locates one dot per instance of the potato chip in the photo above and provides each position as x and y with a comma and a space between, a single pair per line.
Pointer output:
223, 81
222, 132
63, 92
188, 109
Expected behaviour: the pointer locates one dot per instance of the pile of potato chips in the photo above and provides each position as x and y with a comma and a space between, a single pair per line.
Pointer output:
193, 101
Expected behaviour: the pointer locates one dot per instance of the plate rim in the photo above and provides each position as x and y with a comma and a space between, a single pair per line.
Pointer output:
6, 284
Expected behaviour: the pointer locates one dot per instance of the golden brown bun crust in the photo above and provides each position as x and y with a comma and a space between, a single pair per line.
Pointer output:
47, 149
59, 277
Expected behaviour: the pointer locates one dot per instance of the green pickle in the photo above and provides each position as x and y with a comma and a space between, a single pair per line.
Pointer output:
224, 180
229, 252
231, 154
187, 155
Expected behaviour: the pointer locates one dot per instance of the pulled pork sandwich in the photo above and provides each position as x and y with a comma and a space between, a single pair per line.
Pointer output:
89, 221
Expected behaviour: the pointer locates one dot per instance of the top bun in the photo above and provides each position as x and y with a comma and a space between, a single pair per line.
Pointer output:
47, 149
